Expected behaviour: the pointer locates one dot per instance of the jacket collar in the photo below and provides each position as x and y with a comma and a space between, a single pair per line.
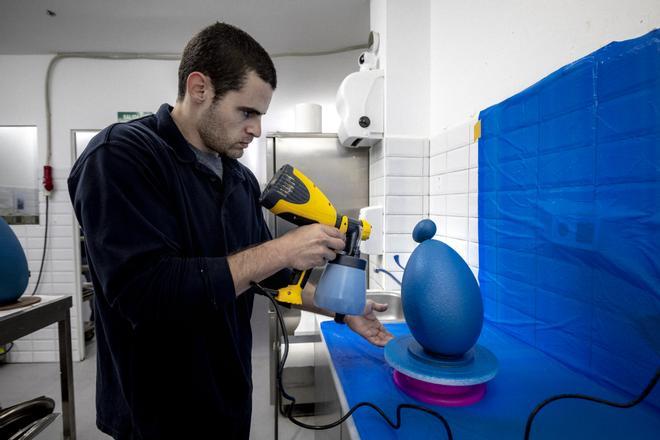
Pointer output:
170, 133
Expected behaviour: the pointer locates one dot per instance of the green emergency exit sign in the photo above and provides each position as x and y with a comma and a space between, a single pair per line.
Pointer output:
129, 116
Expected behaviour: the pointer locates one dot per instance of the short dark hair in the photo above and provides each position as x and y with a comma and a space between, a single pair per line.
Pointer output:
225, 54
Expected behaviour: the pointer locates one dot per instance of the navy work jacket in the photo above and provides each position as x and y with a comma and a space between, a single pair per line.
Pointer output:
173, 340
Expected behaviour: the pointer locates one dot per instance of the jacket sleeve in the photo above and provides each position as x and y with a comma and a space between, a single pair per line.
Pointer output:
283, 277
278, 279
121, 200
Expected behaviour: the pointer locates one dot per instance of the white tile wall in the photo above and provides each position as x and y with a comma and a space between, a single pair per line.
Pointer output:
376, 153
389, 263
377, 169
459, 135
436, 184
454, 182
438, 164
404, 186
438, 204
440, 223
403, 204
401, 224
399, 170
473, 254
458, 159
460, 246
453, 186
474, 181
377, 187
473, 230
389, 283
457, 205
474, 155
404, 147
473, 204
375, 279
457, 227
403, 166
59, 273
415, 179
376, 197
398, 243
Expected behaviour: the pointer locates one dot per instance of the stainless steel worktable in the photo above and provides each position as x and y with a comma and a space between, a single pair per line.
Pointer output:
16, 323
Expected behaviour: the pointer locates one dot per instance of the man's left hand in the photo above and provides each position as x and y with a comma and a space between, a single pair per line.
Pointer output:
368, 326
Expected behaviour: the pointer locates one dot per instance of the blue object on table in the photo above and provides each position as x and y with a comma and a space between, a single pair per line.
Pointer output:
424, 230
440, 296
405, 355
443, 308
14, 271
526, 377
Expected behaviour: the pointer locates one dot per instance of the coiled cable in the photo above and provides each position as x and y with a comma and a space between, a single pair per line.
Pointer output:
395, 425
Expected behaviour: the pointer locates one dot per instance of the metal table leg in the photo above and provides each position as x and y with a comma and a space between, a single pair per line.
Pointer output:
66, 378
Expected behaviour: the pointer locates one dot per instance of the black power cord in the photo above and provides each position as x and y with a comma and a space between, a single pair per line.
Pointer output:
264, 292
635, 401
43, 255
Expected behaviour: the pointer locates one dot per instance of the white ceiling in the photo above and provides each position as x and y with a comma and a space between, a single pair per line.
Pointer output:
164, 26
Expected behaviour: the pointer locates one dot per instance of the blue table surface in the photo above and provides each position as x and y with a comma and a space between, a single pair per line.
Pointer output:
526, 377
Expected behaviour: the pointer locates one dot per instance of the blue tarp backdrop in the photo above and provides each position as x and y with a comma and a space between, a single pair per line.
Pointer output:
569, 214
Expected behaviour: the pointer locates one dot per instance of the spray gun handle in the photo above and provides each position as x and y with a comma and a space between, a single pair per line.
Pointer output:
352, 247
292, 293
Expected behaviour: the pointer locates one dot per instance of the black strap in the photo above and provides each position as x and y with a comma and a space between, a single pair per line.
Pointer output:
339, 318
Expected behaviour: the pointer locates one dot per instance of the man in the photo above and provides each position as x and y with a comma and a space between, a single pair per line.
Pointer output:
175, 235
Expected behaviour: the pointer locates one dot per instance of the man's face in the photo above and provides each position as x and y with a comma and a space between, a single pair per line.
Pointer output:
229, 125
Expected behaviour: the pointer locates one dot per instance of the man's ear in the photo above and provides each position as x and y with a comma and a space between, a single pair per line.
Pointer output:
198, 87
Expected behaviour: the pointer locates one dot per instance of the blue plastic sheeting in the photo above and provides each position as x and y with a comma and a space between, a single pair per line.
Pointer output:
526, 377
569, 214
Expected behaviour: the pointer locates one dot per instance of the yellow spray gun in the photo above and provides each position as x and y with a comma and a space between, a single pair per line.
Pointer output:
295, 198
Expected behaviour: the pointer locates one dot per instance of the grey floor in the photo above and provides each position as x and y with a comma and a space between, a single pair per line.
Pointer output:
21, 382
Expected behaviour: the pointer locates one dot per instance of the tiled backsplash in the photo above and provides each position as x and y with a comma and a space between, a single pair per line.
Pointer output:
453, 190
415, 179
398, 182
58, 277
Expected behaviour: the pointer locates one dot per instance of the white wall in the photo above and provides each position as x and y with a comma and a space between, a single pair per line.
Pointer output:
309, 79
87, 94
407, 75
453, 190
22, 85
302, 79
398, 173
444, 62
485, 51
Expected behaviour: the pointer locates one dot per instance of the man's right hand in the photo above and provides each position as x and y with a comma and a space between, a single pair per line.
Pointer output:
302, 248
311, 245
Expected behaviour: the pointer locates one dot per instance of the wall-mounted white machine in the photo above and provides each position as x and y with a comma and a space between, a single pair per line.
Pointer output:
360, 101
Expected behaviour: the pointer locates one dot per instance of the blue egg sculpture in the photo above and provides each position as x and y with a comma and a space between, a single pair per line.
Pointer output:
441, 299
14, 272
